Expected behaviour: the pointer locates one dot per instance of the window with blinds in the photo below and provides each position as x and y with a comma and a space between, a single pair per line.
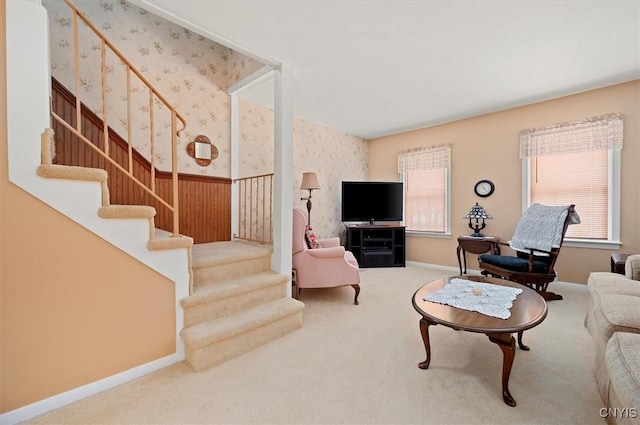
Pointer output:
574, 163
575, 178
425, 174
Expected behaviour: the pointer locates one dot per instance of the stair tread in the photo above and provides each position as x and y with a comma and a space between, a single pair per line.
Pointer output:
226, 252
171, 242
71, 172
126, 211
216, 330
228, 288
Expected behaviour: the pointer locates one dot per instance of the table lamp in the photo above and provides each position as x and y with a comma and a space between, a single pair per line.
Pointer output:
476, 214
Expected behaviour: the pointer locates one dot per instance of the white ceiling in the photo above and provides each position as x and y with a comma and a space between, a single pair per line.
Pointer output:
373, 68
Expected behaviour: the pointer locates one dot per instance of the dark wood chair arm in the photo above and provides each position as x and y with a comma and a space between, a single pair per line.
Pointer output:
532, 256
532, 250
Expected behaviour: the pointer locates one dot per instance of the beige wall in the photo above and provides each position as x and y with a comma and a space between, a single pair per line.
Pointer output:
73, 309
486, 147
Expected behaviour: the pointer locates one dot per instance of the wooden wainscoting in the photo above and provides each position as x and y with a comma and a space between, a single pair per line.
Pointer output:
205, 202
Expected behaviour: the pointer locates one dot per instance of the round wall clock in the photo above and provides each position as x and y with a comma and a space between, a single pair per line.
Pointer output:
484, 188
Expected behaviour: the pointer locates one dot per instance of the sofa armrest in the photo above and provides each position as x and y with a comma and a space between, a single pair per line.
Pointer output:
632, 267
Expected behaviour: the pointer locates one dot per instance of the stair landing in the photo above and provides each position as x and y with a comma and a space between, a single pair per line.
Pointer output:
218, 253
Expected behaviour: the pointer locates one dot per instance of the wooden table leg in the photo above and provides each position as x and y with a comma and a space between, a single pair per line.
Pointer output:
507, 344
522, 346
464, 260
424, 331
459, 262
550, 296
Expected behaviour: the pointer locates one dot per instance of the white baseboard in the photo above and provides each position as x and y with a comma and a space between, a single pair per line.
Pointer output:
455, 270
68, 397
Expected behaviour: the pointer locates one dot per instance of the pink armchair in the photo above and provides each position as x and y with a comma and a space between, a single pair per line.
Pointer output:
325, 267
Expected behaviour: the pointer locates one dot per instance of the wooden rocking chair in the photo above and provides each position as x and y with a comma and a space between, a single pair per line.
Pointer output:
537, 241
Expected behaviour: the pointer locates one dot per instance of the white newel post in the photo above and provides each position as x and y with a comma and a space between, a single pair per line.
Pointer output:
234, 162
283, 169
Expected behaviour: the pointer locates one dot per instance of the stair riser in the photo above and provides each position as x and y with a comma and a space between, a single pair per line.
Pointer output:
220, 352
219, 273
222, 307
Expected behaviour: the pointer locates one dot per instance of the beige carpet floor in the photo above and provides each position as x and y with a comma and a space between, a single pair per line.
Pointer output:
358, 365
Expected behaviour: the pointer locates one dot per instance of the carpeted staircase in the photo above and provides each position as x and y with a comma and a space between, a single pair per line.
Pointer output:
237, 303
158, 239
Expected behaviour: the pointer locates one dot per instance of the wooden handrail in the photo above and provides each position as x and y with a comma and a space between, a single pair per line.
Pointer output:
262, 214
126, 62
115, 164
153, 94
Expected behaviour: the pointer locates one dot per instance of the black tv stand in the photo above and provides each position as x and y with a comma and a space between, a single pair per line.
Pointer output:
377, 245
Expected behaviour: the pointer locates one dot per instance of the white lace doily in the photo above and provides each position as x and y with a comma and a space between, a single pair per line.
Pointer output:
485, 298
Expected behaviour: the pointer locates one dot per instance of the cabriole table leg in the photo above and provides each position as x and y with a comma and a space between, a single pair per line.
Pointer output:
424, 331
507, 344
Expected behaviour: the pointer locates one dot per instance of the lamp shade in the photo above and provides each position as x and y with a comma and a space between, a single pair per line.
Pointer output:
477, 212
309, 181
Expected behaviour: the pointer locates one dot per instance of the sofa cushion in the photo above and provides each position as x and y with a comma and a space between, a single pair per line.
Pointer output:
513, 263
618, 313
623, 365
602, 283
614, 305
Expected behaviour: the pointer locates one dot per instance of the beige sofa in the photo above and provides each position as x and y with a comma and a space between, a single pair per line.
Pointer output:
613, 320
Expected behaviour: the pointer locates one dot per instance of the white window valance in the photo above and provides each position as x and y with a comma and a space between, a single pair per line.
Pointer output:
591, 134
428, 158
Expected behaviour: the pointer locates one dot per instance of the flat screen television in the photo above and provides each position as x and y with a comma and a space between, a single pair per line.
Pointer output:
371, 201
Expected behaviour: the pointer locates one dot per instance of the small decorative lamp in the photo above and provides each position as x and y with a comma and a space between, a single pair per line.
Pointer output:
310, 183
477, 213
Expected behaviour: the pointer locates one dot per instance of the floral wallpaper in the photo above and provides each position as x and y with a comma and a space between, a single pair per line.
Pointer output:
335, 156
190, 71
193, 74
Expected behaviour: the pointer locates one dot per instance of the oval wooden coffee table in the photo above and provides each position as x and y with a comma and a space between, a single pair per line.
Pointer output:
529, 309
